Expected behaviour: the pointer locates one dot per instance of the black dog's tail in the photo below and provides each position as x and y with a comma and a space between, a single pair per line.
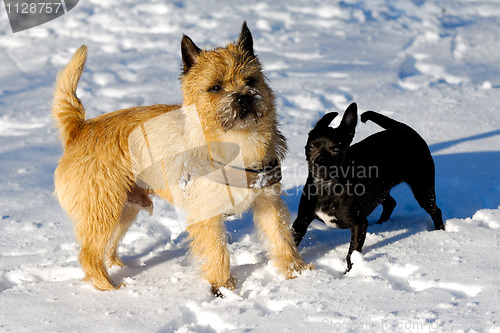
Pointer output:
384, 121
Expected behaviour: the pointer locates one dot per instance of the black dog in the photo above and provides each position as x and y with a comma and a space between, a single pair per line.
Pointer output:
345, 184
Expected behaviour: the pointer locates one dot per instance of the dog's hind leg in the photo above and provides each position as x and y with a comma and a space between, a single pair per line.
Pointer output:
137, 199
92, 259
208, 244
272, 220
388, 206
95, 227
358, 236
425, 194
127, 217
426, 198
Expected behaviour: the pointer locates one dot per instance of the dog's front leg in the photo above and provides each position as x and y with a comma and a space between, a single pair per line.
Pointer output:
300, 226
304, 215
272, 221
358, 235
208, 244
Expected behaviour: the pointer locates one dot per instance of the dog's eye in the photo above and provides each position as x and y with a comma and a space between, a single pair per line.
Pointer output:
215, 88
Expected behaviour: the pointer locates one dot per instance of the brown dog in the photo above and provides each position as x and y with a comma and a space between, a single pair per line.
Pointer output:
216, 155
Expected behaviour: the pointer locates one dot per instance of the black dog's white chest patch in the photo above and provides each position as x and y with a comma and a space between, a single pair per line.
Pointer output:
329, 220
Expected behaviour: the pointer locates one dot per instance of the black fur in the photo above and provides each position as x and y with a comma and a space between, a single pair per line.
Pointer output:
346, 183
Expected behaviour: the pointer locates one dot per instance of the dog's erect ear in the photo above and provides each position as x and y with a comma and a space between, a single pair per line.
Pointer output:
350, 119
326, 120
189, 52
245, 41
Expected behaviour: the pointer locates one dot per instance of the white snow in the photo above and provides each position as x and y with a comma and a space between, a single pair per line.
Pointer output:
430, 64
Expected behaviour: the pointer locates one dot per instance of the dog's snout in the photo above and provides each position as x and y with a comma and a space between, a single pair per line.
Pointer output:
244, 100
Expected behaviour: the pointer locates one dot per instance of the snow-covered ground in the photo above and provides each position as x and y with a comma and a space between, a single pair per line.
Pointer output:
431, 64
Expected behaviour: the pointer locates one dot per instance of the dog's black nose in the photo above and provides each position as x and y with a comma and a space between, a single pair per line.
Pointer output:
244, 100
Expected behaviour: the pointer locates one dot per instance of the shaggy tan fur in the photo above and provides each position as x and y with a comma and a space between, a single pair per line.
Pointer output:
112, 163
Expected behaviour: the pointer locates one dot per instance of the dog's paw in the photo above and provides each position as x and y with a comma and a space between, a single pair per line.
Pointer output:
102, 284
349, 264
294, 269
230, 284
348, 269
216, 292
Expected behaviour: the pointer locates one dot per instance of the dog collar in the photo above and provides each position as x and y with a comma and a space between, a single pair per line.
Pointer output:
253, 178
234, 176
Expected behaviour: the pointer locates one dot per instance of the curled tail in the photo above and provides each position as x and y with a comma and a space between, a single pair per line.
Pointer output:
67, 110
384, 121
